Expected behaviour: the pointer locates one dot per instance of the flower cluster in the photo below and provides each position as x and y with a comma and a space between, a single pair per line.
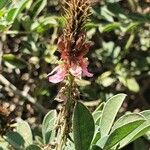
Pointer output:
72, 61
72, 45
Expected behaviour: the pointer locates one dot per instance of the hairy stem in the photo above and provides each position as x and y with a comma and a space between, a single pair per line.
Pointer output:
65, 120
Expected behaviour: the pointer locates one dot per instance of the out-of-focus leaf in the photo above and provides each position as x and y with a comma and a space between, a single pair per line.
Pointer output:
133, 26
121, 13
105, 79
13, 62
22, 4
2, 27
50, 21
129, 42
48, 125
83, 127
3, 3
38, 7
10, 14
111, 26
82, 82
132, 84
110, 110
27, 22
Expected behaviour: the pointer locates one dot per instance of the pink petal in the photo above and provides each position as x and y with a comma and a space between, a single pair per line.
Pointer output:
84, 64
86, 72
59, 76
76, 71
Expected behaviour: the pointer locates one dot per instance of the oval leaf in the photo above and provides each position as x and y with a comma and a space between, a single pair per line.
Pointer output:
109, 113
48, 125
83, 127
126, 119
138, 132
15, 139
24, 130
119, 133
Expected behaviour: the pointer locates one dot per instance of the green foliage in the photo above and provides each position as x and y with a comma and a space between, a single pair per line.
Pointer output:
83, 127
11, 61
119, 60
88, 132
110, 110
48, 126
114, 134
15, 139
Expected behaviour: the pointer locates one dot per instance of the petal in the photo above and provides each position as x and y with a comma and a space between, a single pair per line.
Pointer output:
54, 70
84, 64
59, 76
86, 72
76, 71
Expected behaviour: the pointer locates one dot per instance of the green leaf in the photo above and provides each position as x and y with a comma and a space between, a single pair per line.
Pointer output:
13, 62
126, 119
133, 26
24, 130
33, 147
109, 113
105, 79
48, 125
97, 113
10, 15
83, 127
122, 131
111, 26
17, 11
38, 7
97, 135
2, 27
3, 3
42, 22
95, 147
15, 139
132, 84
102, 141
138, 132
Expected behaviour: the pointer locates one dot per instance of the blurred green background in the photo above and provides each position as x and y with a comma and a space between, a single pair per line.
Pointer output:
119, 59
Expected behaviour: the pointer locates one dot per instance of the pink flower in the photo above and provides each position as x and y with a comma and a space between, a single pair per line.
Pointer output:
73, 62
59, 76
59, 73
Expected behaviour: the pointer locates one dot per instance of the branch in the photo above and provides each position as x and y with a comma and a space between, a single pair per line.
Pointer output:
23, 94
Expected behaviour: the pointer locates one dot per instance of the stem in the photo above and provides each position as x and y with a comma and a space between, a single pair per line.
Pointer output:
65, 120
